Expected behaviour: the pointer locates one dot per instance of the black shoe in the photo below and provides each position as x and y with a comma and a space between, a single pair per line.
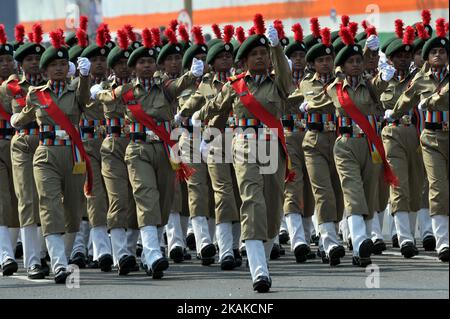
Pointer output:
361, 262
284, 237
409, 250
315, 240
429, 243
228, 263
378, 247
208, 251
126, 263
186, 255
335, 255
365, 250
78, 259
138, 250
395, 243
323, 256
190, 241
443, 255
177, 254
301, 253
350, 244
275, 253
105, 263
158, 267
61, 275
237, 257
262, 284
282, 250
44, 267
9, 267
19, 251
208, 261
311, 255
243, 251
35, 272
91, 263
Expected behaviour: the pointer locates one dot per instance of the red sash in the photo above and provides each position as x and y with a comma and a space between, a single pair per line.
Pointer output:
62, 120
351, 109
18, 94
184, 172
4, 114
264, 116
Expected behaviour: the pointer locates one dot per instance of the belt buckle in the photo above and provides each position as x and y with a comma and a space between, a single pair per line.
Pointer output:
62, 135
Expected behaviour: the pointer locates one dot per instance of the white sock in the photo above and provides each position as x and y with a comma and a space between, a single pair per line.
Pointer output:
358, 232
294, 224
201, 232
132, 237
329, 237
100, 242
56, 250
440, 229
224, 232
31, 246
424, 220
119, 244
403, 228
236, 235
6, 249
174, 232
150, 244
256, 258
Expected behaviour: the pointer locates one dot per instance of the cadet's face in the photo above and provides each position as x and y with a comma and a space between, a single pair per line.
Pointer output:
324, 64
145, 67
438, 57
354, 66
258, 60
121, 69
57, 70
30, 64
223, 62
402, 60
6, 66
172, 64
298, 60
98, 66
371, 59
418, 61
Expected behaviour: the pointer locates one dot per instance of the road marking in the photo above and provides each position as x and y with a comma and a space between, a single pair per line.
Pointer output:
32, 280
415, 257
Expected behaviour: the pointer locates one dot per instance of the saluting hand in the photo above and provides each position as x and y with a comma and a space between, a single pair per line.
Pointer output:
273, 36
373, 43
95, 89
84, 66
197, 67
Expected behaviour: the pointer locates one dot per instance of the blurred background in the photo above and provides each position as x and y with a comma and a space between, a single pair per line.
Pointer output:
156, 13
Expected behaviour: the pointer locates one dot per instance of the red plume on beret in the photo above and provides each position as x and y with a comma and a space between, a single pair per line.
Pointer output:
56, 38
107, 32
440, 28
19, 33
345, 19
147, 39
3, 37
422, 32
371, 30
173, 25
258, 22
252, 31
399, 28
315, 27
365, 24
353, 27
408, 36
83, 23
199, 39
278, 25
82, 38
216, 30
426, 17
30, 37
184, 35
298, 32
131, 35
346, 36
100, 39
122, 39
326, 36
228, 32
171, 36
37, 33
156, 36
240, 34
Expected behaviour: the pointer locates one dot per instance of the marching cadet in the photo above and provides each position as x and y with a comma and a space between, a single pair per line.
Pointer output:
221, 172
318, 145
92, 125
430, 88
298, 198
199, 185
8, 201
23, 147
149, 155
357, 106
401, 143
257, 97
60, 160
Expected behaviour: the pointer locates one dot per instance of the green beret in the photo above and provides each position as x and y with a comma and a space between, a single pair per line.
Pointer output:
185, 45
71, 39
398, 46
334, 36
75, 53
236, 46
116, 54
347, 52
95, 50
27, 49
294, 46
284, 42
167, 50
213, 42
135, 45
51, 54
317, 51
338, 45
362, 43
386, 44
217, 49
418, 44
111, 45
192, 52
434, 42
361, 36
310, 41
142, 52
6, 49
250, 43
16, 44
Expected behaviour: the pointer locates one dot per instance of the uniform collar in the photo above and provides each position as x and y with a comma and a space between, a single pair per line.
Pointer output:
360, 81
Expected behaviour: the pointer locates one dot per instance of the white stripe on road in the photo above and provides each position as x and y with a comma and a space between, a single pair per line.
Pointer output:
391, 253
32, 280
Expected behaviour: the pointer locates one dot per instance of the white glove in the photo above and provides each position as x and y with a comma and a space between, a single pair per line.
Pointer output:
373, 43
273, 36
383, 58
387, 71
14, 119
72, 70
421, 105
196, 122
94, 90
204, 149
197, 67
84, 66
178, 118
303, 107
388, 115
